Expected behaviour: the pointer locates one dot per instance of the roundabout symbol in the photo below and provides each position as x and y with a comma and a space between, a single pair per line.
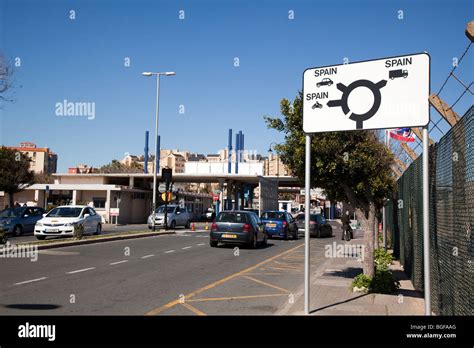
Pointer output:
346, 90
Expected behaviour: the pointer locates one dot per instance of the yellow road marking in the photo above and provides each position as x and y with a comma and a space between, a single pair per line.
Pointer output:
234, 297
216, 283
284, 269
267, 284
193, 309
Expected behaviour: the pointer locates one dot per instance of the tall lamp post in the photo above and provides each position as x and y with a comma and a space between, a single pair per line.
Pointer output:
155, 167
277, 159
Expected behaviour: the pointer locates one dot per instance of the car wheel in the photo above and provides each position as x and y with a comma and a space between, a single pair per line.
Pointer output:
254, 242
213, 243
173, 225
188, 224
317, 85
17, 231
41, 237
98, 229
265, 239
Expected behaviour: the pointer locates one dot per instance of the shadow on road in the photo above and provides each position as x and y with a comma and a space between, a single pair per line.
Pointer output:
34, 306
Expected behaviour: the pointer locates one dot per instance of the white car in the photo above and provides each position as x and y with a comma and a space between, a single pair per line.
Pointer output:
175, 215
63, 220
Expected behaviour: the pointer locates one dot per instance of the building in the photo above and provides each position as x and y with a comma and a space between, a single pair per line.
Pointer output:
42, 159
174, 161
82, 169
275, 167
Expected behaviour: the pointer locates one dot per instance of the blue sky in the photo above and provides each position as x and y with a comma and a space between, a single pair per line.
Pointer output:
82, 60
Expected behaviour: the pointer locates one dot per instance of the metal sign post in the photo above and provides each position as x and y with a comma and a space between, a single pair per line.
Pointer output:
307, 204
426, 223
383, 93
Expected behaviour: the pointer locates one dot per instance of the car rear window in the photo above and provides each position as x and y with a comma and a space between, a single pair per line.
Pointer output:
273, 215
232, 217
318, 218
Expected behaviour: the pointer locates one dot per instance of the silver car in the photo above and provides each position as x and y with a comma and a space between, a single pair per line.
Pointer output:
176, 216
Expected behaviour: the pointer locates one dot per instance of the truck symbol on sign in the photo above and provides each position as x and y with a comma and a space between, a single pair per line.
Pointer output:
392, 74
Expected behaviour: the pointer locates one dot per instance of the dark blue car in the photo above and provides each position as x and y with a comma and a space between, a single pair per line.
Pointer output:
279, 224
16, 221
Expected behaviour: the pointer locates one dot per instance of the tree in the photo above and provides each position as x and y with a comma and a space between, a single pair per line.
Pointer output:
15, 173
44, 178
352, 167
118, 167
5, 79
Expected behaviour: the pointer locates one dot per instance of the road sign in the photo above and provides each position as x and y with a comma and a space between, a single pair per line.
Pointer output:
162, 188
376, 94
114, 211
170, 197
215, 197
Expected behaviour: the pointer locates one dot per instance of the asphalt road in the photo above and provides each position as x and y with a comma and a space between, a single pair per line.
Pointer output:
163, 275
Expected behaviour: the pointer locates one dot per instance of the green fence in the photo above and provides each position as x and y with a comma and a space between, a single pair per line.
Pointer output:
451, 220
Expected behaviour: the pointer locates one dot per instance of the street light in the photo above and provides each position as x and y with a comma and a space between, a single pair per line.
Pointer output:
155, 169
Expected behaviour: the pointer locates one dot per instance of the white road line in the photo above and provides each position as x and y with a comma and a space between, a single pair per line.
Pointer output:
186, 247
116, 263
30, 281
169, 251
147, 256
201, 244
80, 270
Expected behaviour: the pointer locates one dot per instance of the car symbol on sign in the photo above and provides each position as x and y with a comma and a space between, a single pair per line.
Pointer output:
324, 82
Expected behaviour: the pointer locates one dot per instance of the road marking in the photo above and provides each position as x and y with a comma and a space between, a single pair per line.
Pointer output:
80, 270
147, 256
116, 263
169, 251
186, 247
234, 298
221, 281
193, 309
267, 284
30, 281
201, 244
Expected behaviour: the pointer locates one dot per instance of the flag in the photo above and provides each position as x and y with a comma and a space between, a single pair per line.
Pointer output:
402, 134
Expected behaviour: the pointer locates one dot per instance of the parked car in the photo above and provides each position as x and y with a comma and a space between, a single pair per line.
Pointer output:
325, 82
318, 226
65, 219
238, 227
176, 216
16, 221
279, 224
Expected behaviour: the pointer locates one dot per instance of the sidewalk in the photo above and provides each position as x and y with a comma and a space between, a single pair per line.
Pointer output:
331, 293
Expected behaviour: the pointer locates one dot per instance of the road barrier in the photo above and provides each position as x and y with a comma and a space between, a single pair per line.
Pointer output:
451, 191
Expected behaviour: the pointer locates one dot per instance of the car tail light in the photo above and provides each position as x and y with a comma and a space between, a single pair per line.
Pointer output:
246, 228
284, 223
312, 222
214, 227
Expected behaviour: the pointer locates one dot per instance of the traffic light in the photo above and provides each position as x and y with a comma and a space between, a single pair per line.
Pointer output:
166, 174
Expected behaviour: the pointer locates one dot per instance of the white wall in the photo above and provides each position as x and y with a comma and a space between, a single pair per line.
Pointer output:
221, 168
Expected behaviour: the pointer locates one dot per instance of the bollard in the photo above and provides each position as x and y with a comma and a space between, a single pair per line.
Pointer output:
193, 227
207, 225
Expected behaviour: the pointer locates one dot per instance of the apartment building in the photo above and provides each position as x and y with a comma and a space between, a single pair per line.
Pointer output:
42, 159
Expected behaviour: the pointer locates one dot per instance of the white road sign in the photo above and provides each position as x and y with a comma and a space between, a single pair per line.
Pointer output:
384, 93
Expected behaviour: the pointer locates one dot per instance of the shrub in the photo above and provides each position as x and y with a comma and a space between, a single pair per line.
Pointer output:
361, 281
383, 282
382, 259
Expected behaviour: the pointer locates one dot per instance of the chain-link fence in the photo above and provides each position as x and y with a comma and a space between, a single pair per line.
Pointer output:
451, 199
